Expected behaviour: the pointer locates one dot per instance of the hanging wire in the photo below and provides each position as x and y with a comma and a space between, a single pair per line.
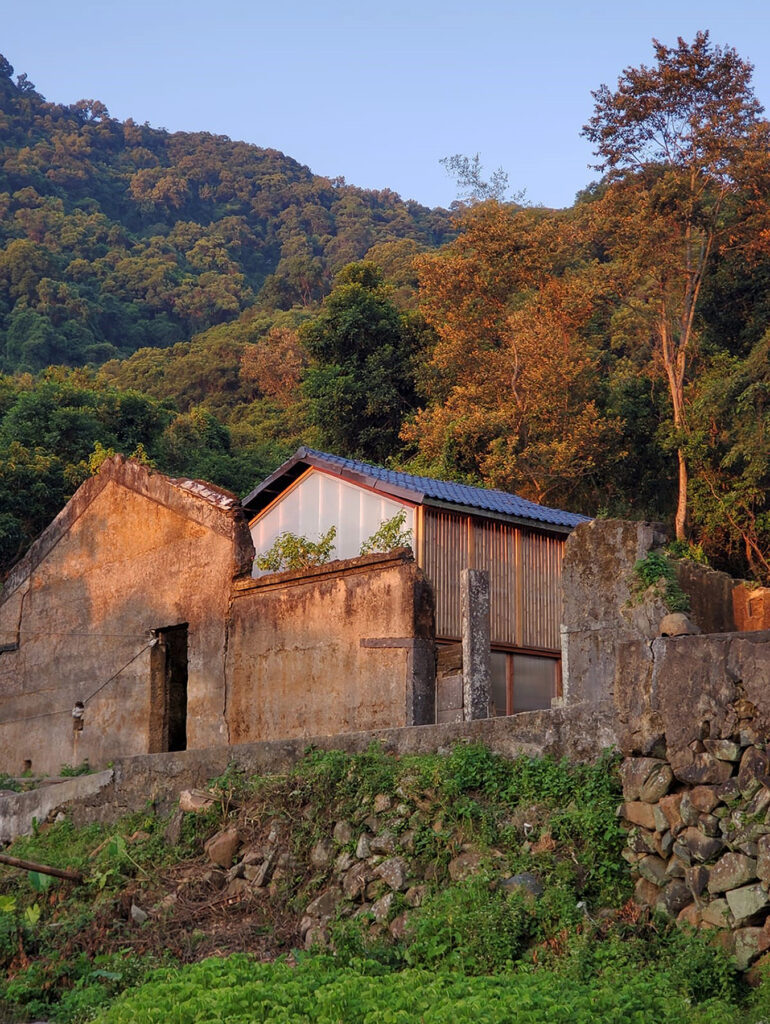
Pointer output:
67, 711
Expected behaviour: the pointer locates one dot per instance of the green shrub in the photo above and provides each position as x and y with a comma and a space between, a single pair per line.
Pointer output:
389, 535
290, 551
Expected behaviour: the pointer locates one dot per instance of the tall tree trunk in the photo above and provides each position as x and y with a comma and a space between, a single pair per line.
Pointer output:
681, 505
674, 361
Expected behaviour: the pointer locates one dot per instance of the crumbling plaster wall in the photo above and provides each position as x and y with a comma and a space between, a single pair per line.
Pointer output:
130, 553
338, 648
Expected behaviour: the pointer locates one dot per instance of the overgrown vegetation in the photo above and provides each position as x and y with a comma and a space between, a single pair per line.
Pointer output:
656, 568
578, 951
292, 551
389, 535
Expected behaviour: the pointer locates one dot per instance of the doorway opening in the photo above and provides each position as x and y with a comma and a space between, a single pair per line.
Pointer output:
168, 714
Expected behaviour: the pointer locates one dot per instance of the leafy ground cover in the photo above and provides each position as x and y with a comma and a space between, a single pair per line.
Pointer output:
187, 943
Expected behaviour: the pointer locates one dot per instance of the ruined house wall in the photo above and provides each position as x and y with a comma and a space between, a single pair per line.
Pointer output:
131, 553
339, 648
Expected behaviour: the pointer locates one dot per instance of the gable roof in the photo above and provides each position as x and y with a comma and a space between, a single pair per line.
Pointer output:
423, 490
206, 504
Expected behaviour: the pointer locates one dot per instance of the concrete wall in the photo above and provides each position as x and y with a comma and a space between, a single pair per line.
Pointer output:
132, 552
572, 732
341, 647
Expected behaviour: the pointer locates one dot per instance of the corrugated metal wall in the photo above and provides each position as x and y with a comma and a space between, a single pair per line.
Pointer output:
525, 576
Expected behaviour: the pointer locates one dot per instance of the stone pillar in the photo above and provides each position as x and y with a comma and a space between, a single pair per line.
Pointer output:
477, 675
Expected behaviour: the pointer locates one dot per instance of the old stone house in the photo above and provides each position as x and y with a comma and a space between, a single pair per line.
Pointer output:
134, 624
453, 527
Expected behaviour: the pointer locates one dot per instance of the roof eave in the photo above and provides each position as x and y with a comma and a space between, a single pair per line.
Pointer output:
503, 517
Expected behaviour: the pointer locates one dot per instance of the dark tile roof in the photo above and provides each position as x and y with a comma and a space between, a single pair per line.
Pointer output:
417, 488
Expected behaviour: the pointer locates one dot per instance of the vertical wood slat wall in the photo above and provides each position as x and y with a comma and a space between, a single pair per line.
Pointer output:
525, 576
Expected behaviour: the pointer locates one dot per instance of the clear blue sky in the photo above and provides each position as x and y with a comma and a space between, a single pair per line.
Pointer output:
375, 92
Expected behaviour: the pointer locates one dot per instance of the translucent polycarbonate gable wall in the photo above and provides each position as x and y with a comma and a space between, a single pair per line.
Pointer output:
318, 501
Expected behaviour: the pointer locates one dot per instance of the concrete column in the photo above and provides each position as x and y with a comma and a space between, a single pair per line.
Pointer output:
477, 674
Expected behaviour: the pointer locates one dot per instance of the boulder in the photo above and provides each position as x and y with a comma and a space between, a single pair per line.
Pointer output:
322, 854
704, 768
222, 847
673, 898
355, 880
636, 772
747, 946
723, 750
731, 871
381, 908
646, 893
729, 792
195, 800
689, 916
696, 878
414, 896
700, 847
703, 798
763, 858
385, 842
653, 869
669, 805
325, 905
677, 624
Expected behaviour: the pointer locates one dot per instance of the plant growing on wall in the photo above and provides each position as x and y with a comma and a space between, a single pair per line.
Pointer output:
656, 568
389, 535
290, 551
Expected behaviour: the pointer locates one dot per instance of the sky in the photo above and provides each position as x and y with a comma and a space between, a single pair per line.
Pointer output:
376, 93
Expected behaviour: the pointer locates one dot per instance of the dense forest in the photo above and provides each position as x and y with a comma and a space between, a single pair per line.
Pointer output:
208, 305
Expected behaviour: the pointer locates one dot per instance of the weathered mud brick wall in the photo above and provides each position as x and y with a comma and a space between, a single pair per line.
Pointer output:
334, 649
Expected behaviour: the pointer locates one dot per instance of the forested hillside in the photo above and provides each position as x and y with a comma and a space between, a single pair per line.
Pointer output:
218, 304
115, 235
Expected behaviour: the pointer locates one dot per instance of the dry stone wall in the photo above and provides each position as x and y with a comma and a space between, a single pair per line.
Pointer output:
701, 853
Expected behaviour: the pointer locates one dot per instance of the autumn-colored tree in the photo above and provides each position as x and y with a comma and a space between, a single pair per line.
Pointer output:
276, 364
512, 384
685, 148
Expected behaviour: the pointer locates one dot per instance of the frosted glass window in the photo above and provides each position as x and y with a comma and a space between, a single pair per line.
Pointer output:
320, 501
534, 682
498, 692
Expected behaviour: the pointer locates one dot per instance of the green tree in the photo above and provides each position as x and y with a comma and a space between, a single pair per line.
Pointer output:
686, 150
362, 383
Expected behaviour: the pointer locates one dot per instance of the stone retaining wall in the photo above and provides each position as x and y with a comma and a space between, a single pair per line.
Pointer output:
701, 853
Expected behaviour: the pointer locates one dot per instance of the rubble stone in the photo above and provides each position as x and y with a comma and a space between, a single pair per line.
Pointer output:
464, 865
394, 871
653, 869
717, 914
731, 871
343, 833
222, 847
703, 798
723, 750
747, 901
